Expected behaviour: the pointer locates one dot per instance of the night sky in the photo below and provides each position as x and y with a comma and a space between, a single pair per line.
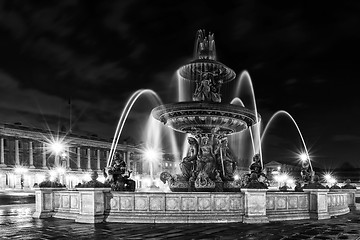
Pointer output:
302, 56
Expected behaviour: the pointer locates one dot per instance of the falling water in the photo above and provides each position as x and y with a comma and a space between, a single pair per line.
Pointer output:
237, 101
184, 88
280, 113
124, 116
244, 76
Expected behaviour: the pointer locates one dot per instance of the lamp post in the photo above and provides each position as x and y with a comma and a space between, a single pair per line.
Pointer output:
58, 149
151, 155
21, 170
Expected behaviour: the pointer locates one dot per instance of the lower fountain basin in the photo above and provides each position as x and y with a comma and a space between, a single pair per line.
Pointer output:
248, 206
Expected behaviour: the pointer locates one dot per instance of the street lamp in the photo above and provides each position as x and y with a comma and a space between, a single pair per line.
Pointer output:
58, 149
330, 180
151, 155
21, 170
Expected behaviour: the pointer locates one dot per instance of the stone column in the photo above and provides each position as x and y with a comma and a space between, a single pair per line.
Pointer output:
17, 158
128, 159
88, 159
2, 154
57, 158
318, 203
78, 158
68, 158
107, 157
31, 155
255, 205
124, 157
98, 158
44, 156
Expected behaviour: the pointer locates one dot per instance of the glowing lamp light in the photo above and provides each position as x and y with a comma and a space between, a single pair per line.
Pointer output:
303, 157
327, 177
101, 179
53, 175
151, 154
64, 155
330, 179
236, 177
20, 170
57, 147
147, 181
290, 181
60, 170
87, 177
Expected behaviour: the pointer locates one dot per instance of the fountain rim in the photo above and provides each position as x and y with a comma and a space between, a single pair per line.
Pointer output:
167, 111
228, 77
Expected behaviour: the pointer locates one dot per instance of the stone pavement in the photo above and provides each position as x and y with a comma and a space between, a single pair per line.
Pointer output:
16, 223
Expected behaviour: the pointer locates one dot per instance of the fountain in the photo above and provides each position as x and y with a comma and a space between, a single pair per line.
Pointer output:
207, 190
210, 163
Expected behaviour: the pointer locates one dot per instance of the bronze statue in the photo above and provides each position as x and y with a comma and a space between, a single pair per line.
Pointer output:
116, 177
225, 160
206, 158
188, 164
306, 172
256, 167
207, 89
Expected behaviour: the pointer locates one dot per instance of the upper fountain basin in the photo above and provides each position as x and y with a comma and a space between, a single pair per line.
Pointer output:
195, 70
205, 117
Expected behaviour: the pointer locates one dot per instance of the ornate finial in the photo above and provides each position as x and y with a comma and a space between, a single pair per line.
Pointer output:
205, 46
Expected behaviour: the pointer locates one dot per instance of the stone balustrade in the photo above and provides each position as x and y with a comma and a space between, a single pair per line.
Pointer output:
159, 207
281, 206
93, 205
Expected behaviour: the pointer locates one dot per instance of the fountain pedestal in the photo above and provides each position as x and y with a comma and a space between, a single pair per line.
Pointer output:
92, 205
351, 198
255, 205
318, 203
45, 202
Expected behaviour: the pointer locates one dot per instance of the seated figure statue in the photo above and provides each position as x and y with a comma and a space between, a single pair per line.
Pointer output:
116, 177
255, 167
306, 172
188, 164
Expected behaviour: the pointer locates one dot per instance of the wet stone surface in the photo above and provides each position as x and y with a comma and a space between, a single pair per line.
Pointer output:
16, 222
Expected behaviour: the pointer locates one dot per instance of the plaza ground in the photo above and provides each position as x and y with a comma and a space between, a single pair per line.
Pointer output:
16, 222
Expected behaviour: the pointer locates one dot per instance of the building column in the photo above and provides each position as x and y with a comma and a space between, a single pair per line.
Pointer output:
57, 160
78, 158
2, 154
107, 157
17, 158
67, 151
44, 156
98, 158
128, 159
31, 155
88, 159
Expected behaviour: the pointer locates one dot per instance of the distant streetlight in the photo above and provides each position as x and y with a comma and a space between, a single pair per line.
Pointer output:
21, 170
331, 180
57, 147
151, 155
303, 157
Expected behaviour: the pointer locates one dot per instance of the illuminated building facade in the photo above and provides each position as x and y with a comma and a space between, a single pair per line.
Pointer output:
26, 156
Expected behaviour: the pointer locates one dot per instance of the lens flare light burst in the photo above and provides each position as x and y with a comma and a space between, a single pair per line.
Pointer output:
56, 145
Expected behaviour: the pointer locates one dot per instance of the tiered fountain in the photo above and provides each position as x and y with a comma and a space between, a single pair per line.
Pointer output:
210, 163
206, 190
